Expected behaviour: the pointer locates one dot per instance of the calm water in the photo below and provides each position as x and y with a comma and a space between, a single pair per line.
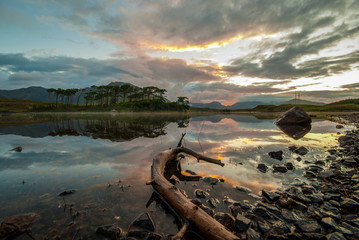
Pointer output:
107, 159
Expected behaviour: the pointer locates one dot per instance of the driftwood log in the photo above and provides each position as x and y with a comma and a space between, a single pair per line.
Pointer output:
190, 214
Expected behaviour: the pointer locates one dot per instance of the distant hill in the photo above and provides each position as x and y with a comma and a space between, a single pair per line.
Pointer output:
347, 101
38, 94
303, 102
213, 105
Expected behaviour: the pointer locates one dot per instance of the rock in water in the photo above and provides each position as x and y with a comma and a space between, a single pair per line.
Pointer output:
17, 149
295, 116
276, 155
295, 123
14, 225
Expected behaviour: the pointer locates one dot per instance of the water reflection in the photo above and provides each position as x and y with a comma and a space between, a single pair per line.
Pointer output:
107, 159
295, 131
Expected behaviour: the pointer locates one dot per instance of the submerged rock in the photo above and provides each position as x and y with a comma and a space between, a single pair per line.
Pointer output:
279, 168
17, 149
67, 192
110, 231
262, 167
200, 193
243, 189
276, 155
226, 220
14, 225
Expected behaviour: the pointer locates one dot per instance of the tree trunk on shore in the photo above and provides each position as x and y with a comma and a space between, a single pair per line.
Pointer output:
189, 213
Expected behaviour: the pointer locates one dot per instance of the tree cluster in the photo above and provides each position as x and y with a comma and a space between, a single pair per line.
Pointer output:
126, 95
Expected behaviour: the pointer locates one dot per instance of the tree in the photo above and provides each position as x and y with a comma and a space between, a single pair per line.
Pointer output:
184, 102
50, 91
79, 96
125, 89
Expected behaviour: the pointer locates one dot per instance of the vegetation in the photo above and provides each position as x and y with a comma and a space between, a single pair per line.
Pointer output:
347, 101
124, 97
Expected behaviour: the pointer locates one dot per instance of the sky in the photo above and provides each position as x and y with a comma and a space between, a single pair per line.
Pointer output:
206, 50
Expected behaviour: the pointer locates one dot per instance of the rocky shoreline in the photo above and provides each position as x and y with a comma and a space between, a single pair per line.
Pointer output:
325, 208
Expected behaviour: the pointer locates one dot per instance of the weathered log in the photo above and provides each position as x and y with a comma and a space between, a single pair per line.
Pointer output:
200, 220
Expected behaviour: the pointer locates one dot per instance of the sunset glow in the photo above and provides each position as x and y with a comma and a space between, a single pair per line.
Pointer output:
206, 50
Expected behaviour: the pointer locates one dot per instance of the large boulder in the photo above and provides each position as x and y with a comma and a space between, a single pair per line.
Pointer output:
294, 116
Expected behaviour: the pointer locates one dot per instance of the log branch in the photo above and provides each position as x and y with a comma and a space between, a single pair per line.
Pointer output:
205, 224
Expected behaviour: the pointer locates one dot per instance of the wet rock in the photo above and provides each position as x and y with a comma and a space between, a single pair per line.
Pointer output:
310, 174
279, 168
314, 168
301, 151
329, 207
329, 222
242, 223
17, 149
339, 126
334, 203
308, 226
252, 234
235, 209
313, 236
262, 167
254, 196
214, 202
289, 216
14, 225
276, 155
332, 196
67, 192
196, 202
289, 166
245, 205
294, 116
326, 174
200, 193
243, 189
351, 228
343, 230
137, 235
319, 162
271, 208
345, 141
298, 159
143, 223
226, 220
208, 210
325, 213
262, 212
210, 180
316, 198
110, 231
355, 222
349, 205
307, 189
290, 203
270, 196
335, 236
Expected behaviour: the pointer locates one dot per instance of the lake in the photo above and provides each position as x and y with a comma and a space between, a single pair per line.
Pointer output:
106, 159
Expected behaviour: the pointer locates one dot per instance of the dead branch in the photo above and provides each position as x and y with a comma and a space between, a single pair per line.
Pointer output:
200, 220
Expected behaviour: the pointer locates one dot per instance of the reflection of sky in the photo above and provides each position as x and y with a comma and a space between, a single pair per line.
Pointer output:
50, 165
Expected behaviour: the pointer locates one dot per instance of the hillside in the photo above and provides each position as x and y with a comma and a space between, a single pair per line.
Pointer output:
38, 94
347, 101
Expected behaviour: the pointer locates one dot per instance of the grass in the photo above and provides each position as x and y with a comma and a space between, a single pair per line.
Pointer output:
15, 105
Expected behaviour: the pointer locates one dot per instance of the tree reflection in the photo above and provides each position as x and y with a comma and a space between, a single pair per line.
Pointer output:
116, 130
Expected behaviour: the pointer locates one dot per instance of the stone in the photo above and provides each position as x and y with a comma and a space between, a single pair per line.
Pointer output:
350, 228
343, 230
316, 198
235, 210
262, 212
279, 168
294, 116
252, 234
289, 165
313, 236
310, 174
210, 180
270, 196
271, 208
345, 141
339, 126
276, 155
208, 210
329, 222
329, 207
335, 236
200, 193
349, 205
110, 231
254, 196
13, 225
262, 167
16, 149
226, 220
243, 189
67, 192
308, 226
289, 216
214, 202
301, 151
329, 214
242, 223
190, 172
